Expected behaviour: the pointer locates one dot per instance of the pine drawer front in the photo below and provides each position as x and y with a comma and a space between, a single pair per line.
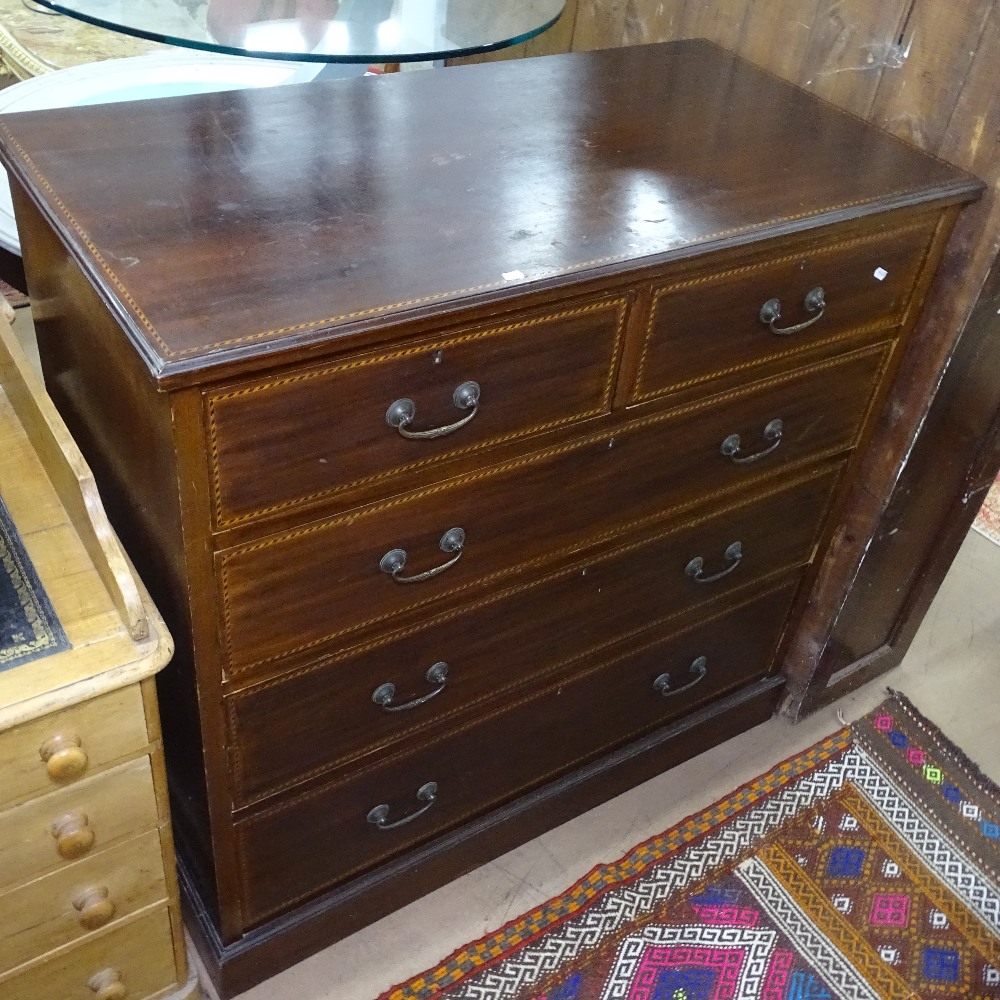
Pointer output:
495, 650
321, 838
709, 322
472, 381
296, 591
75, 902
64, 747
139, 954
51, 832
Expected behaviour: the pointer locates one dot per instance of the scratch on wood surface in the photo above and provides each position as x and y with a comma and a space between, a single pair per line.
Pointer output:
875, 57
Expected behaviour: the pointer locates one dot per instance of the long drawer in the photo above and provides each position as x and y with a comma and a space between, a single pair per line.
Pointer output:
302, 419
319, 839
492, 651
709, 321
291, 593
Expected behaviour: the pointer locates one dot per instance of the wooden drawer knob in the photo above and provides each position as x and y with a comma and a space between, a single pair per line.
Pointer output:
95, 908
108, 985
64, 757
74, 836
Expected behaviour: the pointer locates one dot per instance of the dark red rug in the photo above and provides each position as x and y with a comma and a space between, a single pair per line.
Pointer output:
13, 296
865, 867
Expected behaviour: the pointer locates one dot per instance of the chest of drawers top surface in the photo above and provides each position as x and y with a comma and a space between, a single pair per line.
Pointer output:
223, 228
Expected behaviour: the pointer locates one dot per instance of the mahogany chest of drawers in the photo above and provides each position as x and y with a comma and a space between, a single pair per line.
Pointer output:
480, 432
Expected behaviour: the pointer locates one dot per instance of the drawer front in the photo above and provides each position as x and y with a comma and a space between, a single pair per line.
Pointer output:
709, 323
511, 641
66, 746
138, 954
294, 592
324, 430
323, 838
51, 832
74, 902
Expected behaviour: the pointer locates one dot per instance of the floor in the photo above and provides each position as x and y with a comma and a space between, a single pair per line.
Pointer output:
952, 673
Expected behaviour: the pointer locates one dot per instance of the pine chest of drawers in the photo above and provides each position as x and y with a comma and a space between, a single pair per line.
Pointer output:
88, 891
480, 431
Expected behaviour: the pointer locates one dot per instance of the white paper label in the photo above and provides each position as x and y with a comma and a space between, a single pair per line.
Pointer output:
881, 273
513, 276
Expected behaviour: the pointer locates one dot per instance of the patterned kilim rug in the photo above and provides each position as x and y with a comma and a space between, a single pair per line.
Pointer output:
29, 627
988, 519
866, 867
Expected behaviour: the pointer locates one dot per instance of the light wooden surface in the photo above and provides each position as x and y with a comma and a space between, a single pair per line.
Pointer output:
66, 905
115, 805
109, 728
73, 482
51, 496
66, 973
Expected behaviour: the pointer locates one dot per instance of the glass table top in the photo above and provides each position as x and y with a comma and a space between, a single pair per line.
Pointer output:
346, 31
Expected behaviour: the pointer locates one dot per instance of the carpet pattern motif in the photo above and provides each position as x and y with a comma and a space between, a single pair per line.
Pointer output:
29, 627
988, 519
866, 867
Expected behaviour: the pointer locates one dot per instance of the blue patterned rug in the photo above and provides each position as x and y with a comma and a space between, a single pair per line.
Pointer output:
29, 627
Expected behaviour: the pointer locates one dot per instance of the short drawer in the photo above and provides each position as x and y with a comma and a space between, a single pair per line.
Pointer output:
50, 832
510, 642
320, 839
294, 592
74, 902
138, 954
66, 746
708, 323
309, 434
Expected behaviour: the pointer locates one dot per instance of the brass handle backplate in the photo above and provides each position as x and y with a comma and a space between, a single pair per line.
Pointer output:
733, 555
773, 433
394, 561
402, 413
697, 670
379, 816
770, 313
384, 694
